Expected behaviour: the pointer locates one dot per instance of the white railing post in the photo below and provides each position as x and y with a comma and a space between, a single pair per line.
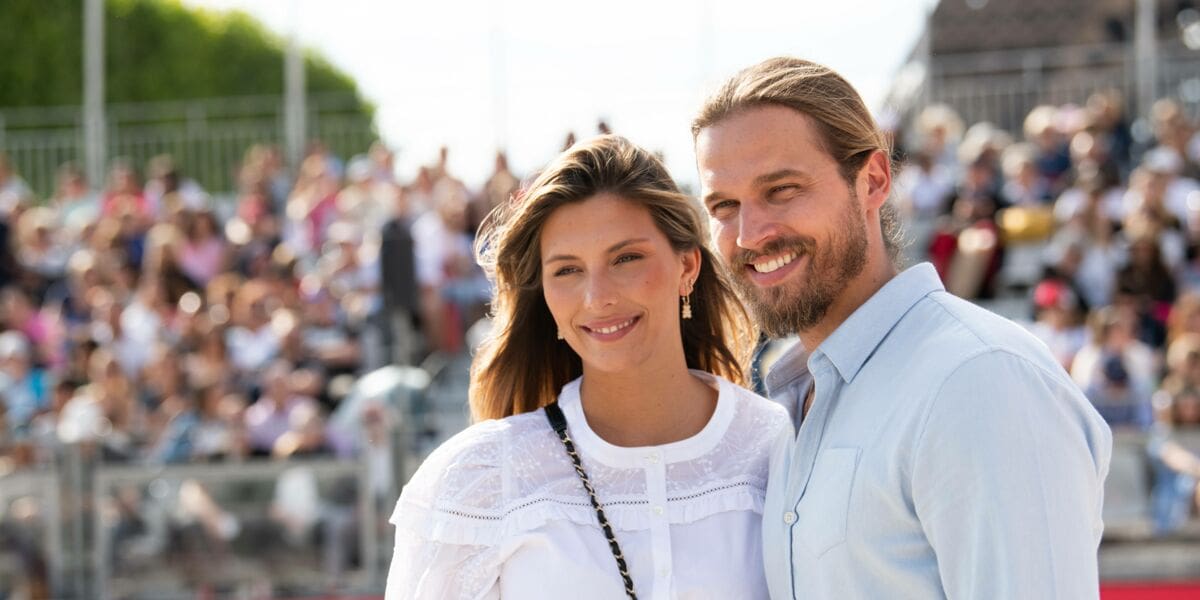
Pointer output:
94, 145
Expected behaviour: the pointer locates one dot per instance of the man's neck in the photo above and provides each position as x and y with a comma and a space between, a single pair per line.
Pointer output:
861, 289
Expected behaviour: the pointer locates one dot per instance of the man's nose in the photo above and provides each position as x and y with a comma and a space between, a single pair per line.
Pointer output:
756, 226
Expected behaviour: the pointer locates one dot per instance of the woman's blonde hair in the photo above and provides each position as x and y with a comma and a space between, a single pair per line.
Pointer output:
522, 366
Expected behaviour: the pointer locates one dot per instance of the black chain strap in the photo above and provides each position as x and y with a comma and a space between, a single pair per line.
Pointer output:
558, 421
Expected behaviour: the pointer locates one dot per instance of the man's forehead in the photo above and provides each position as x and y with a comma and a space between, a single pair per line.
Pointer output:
746, 147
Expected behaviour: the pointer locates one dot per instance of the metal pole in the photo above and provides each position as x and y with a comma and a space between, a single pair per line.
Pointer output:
1146, 55
925, 53
294, 100
94, 143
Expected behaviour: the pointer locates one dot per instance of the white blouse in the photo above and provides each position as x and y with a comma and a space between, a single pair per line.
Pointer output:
498, 510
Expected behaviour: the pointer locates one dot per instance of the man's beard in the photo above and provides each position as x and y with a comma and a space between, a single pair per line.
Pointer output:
780, 310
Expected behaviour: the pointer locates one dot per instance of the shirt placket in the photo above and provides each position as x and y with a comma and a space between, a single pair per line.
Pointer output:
806, 445
660, 530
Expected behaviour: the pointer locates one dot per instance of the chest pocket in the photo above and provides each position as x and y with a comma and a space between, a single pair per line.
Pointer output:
821, 514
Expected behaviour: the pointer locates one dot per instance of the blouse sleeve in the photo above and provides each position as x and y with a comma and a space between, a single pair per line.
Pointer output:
449, 521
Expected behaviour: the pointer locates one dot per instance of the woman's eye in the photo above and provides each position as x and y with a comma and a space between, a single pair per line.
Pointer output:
565, 271
624, 258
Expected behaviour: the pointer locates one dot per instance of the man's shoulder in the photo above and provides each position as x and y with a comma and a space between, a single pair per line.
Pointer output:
956, 331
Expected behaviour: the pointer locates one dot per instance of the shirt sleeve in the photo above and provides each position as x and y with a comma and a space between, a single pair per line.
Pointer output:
1007, 481
449, 522
428, 569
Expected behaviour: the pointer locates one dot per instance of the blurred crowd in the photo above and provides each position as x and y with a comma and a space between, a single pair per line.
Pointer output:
1096, 221
148, 323
165, 327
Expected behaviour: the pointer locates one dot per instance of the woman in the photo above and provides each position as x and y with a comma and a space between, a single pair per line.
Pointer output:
610, 308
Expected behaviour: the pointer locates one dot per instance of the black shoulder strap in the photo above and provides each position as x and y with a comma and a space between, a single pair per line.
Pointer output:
554, 414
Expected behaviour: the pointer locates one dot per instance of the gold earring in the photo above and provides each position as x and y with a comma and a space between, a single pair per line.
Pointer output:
686, 312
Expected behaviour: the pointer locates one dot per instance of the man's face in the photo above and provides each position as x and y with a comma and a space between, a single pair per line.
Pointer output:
787, 225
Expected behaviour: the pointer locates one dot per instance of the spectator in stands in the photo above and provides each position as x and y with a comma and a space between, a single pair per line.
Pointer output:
251, 341
23, 385
966, 247
1174, 130
939, 129
1110, 128
1145, 280
13, 190
1024, 184
124, 195
312, 205
74, 204
1176, 492
270, 416
1057, 320
499, 187
443, 255
1052, 154
366, 201
167, 190
1115, 370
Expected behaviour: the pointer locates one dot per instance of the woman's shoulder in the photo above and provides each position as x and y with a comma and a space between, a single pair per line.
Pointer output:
474, 457
753, 407
463, 488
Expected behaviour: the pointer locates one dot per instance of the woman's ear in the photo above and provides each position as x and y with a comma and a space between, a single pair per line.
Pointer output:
691, 270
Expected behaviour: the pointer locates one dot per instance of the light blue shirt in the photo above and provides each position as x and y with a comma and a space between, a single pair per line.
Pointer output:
946, 455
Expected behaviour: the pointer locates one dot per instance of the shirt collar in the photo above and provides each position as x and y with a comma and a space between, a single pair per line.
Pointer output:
788, 369
853, 342
627, 457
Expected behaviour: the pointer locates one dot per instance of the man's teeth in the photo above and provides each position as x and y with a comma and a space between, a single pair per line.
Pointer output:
614, 328
774, 265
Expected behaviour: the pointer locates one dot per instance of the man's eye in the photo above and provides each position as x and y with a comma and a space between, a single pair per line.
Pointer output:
723, 206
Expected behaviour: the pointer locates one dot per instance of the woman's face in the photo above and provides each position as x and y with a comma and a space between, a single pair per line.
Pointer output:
613, 282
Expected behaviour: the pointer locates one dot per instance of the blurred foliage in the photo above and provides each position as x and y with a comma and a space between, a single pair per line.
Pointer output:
160, 50
155, 50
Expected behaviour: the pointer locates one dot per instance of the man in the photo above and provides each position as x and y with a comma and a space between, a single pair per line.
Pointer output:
941, 451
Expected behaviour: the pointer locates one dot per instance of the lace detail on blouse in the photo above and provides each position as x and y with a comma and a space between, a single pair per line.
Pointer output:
498, 479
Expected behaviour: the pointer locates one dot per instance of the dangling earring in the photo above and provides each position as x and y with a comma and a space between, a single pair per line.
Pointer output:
558, 334
686, 312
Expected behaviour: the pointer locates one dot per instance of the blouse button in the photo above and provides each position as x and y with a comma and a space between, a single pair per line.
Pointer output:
658, 510
789, 517
652, 458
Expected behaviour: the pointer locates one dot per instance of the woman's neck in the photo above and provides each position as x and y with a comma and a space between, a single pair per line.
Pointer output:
648, 406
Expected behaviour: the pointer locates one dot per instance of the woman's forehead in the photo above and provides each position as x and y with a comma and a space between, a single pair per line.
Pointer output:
597, 223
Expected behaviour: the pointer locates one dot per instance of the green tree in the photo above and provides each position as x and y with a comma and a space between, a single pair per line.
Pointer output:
154, 50
160, 50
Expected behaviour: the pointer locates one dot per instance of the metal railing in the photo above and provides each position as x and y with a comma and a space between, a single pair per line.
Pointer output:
77, 511
207, 138
1003, 86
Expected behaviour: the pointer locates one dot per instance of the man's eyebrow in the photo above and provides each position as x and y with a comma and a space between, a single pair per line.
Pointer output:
611, 249
761, 180
774, 176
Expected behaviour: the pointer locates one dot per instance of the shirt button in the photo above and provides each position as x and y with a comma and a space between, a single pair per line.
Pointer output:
658, 510
789, 517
